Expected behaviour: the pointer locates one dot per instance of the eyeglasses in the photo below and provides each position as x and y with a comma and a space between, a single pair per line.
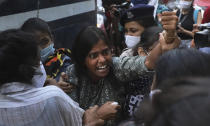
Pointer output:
104, 52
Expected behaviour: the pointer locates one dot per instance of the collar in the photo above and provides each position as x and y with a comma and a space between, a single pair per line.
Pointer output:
14, 87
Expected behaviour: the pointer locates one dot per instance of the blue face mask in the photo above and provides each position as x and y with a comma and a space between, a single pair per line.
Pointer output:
46, 52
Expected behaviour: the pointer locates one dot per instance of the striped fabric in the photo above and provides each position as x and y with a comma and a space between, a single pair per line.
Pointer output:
23, 105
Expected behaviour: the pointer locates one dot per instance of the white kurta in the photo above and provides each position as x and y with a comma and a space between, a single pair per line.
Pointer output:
22, 104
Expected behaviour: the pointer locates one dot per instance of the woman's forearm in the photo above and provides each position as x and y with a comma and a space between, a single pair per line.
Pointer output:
153, 56
188, 32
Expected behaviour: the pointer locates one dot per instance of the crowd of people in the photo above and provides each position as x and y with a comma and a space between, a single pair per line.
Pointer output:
146, 68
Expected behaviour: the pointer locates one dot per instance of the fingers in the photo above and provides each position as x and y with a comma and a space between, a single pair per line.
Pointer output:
63, 84
117, 107
63, 77
50, 81
168, 13
161, 38
169, 23
66, 87
169, 20
169, 27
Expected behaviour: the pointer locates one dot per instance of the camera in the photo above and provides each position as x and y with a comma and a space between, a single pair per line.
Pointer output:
121, 8
202, 38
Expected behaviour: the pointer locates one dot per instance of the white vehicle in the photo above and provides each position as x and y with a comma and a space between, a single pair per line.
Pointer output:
65, 17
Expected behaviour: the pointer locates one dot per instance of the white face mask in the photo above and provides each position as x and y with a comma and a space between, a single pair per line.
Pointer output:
171, 5
39, 79
132, 41
184, 4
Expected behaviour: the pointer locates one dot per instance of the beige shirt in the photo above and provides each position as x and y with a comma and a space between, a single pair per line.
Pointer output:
24, 105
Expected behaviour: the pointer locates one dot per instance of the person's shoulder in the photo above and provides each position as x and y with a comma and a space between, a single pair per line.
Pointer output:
60, 97
52, 91
57, 93
127, 52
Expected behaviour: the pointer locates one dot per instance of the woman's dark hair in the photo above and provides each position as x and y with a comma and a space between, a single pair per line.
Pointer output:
180, 63
149, 37
182, 102
33, 25
147, 22
19, 56
84, 42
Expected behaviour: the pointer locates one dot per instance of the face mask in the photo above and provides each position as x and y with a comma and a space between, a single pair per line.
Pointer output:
171, 5
132, 41
184, 4
46, 52
40, 76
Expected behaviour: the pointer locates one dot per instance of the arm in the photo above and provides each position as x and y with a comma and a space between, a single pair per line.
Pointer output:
182, 30
199, 19
168, 39
129, 68
191, 33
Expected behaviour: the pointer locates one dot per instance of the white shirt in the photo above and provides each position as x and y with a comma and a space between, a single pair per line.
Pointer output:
22, 104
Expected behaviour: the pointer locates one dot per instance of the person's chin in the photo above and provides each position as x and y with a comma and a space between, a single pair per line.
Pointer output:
103, 73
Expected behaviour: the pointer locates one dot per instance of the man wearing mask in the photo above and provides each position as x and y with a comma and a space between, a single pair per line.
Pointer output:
54, 60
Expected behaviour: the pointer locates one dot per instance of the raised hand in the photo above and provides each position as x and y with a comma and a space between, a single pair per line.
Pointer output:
65, 86
169, 22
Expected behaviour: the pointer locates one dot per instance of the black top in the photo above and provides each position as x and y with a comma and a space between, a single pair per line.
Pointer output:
187, 22
136, 90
